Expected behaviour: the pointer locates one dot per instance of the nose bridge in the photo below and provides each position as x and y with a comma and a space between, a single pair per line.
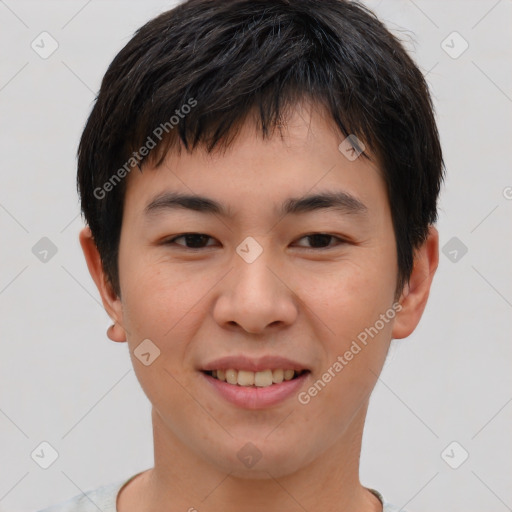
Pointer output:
254, 297
254, 279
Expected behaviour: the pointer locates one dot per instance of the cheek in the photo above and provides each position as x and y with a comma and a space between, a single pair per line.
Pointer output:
156, 294
353, 296
350, 303
160, 306
352, 310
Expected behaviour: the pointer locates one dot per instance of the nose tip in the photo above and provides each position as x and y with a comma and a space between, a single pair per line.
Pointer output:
254, 298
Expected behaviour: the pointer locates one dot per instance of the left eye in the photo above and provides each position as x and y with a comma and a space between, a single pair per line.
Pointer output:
321, 239
199, 240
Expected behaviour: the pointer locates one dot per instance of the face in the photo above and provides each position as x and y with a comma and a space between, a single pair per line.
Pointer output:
259, 278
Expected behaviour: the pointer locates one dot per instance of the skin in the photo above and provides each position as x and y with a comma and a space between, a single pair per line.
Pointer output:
294, 300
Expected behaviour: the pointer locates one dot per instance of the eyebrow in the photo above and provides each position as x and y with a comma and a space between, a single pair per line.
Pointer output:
337, 200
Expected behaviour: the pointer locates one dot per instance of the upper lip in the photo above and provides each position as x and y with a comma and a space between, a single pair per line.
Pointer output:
259, 364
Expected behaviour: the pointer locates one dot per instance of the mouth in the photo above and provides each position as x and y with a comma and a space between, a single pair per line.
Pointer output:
256, 390
250, 379
255, 383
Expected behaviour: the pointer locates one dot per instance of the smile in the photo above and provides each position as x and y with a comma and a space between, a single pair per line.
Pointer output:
261, 379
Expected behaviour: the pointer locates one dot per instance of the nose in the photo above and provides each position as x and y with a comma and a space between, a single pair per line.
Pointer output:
256, 296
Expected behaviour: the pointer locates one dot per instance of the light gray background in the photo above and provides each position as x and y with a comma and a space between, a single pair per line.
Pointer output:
61, 379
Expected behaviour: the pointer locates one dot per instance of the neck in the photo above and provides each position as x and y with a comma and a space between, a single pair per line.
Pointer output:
182, 480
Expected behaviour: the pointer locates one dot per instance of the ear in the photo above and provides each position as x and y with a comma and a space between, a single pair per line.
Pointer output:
111, 302
415, 294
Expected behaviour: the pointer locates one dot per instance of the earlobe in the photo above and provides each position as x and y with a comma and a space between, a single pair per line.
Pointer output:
116, 333
415, 294
111, 302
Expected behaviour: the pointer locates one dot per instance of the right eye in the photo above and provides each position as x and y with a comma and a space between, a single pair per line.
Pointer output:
192, 240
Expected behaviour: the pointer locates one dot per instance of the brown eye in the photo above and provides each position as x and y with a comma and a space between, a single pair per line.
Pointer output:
322, 240
192, 240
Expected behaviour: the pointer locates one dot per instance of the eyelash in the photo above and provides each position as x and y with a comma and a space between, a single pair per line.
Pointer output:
184, 235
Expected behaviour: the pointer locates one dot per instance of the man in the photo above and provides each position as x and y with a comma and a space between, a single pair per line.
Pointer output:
259, 181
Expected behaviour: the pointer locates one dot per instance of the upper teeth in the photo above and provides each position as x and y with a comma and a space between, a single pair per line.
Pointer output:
248, 378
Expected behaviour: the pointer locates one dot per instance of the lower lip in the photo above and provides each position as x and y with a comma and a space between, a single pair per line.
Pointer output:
254, 397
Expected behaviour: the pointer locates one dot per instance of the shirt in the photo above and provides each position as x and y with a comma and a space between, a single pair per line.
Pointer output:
104, 498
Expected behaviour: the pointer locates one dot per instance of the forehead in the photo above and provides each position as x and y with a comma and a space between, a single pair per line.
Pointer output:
307, 156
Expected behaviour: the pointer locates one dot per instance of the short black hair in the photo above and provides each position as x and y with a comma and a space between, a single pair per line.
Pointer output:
198, 71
